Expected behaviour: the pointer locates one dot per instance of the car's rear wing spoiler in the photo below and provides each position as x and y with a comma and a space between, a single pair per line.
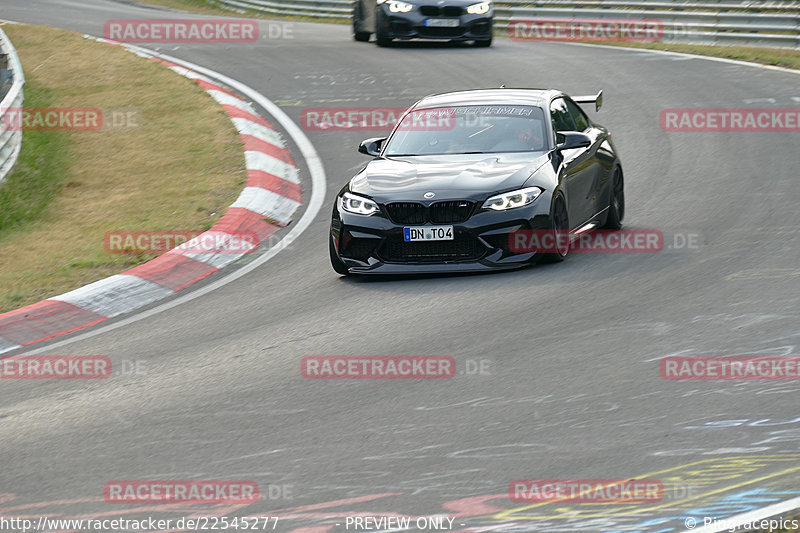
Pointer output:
597, 100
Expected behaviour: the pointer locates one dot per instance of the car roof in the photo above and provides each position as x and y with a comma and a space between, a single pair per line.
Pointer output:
536, 97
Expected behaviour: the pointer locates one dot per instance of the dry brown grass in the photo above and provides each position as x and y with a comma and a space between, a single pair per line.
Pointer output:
179, 169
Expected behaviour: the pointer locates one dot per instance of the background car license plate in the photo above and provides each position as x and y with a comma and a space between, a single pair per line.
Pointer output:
442, 23
433, 233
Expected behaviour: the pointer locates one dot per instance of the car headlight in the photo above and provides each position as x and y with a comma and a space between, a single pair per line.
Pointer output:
479, 9
512, 199
399, 7
359, 205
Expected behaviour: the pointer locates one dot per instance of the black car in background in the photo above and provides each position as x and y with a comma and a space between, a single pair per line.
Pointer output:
464, 174
459, 20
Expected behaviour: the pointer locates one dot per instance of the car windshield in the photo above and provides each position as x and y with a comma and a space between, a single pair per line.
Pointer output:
469, 130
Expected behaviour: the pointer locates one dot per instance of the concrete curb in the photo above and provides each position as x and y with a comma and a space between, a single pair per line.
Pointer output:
273, 192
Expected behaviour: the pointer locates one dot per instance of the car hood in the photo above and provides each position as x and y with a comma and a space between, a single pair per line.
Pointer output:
473, 176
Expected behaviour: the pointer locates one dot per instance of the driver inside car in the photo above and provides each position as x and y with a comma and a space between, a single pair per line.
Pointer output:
521, 136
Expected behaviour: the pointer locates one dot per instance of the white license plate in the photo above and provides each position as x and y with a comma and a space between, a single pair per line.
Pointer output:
442, 23
428, 233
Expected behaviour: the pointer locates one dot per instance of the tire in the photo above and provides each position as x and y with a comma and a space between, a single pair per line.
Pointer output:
382, 40
484, 43
336, 263
616, 208
560, 223
358, 35
381, 37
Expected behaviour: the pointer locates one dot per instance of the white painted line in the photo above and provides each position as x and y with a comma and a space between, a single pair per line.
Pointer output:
180, 70
267, 203
271, 165
7, 346
248, 127
226, 99
736, 521
315, 169
215, 260
688, 56
115, 295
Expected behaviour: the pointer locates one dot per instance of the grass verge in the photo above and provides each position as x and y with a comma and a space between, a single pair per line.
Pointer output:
176, 166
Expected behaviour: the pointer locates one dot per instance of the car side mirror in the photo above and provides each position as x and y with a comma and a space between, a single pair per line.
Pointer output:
567, 140
371, 146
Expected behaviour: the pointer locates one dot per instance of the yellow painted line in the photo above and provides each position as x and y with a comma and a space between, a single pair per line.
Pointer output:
575, 512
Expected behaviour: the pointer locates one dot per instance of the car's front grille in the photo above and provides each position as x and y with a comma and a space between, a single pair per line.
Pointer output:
463, 247
450, 212
429, 11
452, 11
407, 212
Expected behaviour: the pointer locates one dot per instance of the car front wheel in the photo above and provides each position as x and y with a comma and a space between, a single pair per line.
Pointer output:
559, 221
358, 35
616, 208
484, 42
336, 263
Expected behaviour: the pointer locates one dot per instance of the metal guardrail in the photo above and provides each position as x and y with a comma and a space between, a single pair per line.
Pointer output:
750, 23
10, 130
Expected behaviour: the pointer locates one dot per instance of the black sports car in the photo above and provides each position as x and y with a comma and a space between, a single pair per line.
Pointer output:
463, 174
457, 20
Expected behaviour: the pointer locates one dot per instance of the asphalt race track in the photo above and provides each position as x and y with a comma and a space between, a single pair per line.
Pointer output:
570, 385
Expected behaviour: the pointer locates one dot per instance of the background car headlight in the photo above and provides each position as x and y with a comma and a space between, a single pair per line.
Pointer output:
479, 9
399, 7
358, 204
512, 199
